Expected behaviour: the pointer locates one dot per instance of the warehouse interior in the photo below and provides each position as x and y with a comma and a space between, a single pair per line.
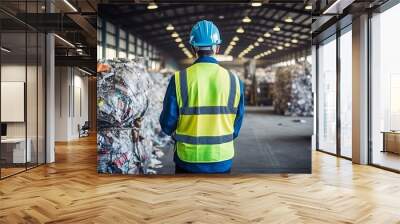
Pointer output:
278, 85
339, 122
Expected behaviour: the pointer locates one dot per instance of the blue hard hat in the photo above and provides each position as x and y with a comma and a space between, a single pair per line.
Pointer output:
204, 33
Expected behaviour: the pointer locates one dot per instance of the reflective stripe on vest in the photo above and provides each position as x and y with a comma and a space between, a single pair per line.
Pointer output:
207, 107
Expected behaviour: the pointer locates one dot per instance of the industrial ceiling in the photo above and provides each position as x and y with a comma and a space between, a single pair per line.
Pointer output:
75, 21
269, 29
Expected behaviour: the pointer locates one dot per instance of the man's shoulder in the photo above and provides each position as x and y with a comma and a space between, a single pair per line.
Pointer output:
177, 72
232, 73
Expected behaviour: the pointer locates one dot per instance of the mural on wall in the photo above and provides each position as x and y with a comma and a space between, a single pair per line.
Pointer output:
260, 124
129, 138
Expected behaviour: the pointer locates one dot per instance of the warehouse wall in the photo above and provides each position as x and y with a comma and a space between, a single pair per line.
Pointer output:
114, 41
71, 102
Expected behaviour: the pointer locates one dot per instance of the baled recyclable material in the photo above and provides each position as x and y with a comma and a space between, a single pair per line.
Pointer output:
129, 103
293, 90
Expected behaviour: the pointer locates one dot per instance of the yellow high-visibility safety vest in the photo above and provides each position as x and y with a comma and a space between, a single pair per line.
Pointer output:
208, 98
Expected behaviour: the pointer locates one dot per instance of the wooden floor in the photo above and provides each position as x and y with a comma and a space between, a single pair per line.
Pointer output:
70, 191
10, 171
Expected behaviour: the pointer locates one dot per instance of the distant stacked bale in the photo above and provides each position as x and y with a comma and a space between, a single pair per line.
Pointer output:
293, 90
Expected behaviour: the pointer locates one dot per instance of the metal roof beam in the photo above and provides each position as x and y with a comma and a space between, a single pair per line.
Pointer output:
193, 19
155, 36
165, 7
218, 10
248, 41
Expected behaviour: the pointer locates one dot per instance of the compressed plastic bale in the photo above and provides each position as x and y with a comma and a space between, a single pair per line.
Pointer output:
266, 75
127, 93
151, 126
122, 94
293, 90
116, 147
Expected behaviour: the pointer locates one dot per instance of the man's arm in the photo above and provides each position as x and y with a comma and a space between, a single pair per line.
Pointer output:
239, 113
170, 113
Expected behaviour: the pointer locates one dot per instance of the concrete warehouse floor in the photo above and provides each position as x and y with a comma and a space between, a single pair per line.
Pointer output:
268, 143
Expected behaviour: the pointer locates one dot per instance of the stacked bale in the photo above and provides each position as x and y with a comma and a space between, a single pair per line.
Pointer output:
293, 90
129, 103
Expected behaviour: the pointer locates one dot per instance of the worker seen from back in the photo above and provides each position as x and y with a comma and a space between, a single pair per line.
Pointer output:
203, 108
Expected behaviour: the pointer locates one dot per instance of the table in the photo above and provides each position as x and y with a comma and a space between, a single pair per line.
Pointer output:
391, 141
13, 150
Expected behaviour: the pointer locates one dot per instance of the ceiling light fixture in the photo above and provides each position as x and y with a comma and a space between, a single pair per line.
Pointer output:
295, 41
256, 44
181, 45
174, 34
289, 19
86, 72
235, 38
240, 30
256, 4
287, 44
246, 19
232, 43
170, 27
152, 5
335, 6
260, 39
64, 40
178, 40
277, 29
5, 50
308, 7
280, 47
221, 57
267, 34
70, 5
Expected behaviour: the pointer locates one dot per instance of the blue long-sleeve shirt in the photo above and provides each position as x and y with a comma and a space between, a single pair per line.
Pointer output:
169, 120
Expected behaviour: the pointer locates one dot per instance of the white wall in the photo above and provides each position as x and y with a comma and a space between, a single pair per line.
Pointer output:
62, 81
79, 117
17, 73
33, 126
9, 73
71, 94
